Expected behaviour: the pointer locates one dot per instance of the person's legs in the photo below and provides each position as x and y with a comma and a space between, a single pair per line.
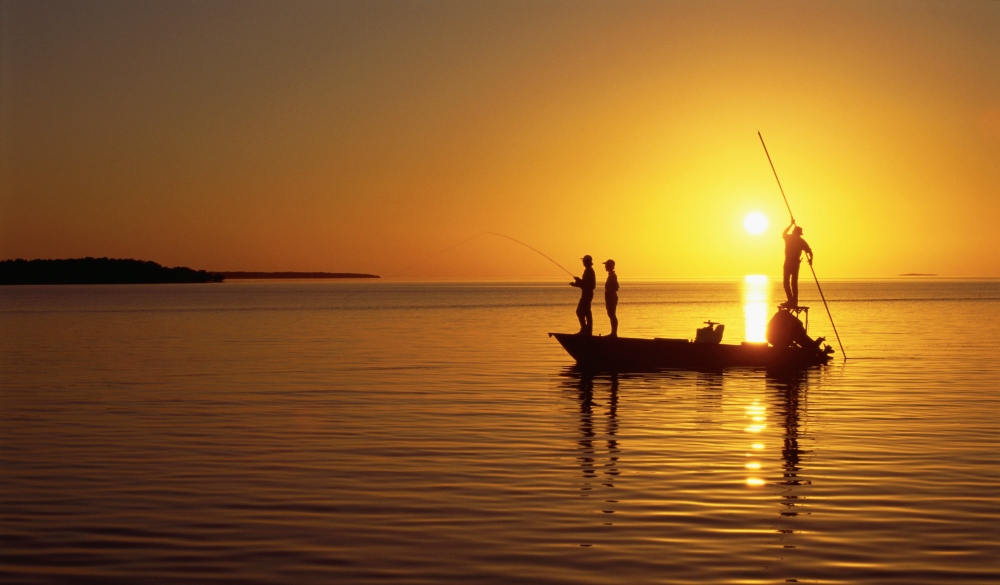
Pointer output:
795, 287
786, 277
582, 308
612, 305
588, 315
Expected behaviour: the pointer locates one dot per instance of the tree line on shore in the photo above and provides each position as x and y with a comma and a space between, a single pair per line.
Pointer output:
129, 271
98, 271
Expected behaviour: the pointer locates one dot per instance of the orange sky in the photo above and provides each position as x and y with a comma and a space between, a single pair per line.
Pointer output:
364, 136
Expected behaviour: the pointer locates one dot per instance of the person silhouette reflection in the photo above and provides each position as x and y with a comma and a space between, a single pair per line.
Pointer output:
587, 284
589, 440
588, 450
611, 296
612, 432
791, 401
794, 246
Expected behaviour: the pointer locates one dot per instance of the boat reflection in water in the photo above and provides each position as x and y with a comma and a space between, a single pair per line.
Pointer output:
657, 421
789, 399
591, 449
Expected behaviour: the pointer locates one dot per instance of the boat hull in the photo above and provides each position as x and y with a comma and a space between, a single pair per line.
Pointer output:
623, 354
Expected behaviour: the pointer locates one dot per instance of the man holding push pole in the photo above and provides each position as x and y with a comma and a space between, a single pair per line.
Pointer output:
794, 246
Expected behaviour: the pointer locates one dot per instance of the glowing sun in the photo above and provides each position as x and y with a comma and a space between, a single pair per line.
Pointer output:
755, 223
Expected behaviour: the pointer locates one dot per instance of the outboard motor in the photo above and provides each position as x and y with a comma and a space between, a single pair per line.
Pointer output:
708, 334
786, 330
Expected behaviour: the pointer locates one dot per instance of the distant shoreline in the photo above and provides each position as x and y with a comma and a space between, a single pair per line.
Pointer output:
98, 271
255, 275
130, 271
917, 274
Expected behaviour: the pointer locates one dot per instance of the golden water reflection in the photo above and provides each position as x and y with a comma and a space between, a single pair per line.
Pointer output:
756, 290
756, 413
596, 444
769, 435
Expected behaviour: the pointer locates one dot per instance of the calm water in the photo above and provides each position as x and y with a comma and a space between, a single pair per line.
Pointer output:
321, 432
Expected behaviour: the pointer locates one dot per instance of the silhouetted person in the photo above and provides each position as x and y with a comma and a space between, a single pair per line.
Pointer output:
794, 246
587, 284
611, 295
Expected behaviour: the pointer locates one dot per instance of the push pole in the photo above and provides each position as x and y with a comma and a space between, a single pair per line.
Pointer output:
813, 270
818, 287
780, 188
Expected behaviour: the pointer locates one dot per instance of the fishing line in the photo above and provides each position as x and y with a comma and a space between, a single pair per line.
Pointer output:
434, 255
534, 249
818, 287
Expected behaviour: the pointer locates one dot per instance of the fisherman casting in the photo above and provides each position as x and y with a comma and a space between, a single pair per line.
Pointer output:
587, 284
794, 246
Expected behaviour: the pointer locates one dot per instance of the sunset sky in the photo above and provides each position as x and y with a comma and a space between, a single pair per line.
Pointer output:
365, 136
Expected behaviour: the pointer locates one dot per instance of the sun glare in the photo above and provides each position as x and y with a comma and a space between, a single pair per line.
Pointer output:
755, 223
755, 303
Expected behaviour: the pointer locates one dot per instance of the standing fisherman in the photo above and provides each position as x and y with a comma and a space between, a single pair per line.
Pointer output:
794, 246
611, 295
587, 284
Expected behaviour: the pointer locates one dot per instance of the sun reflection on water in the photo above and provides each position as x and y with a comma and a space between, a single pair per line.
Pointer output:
757, 413
756, 290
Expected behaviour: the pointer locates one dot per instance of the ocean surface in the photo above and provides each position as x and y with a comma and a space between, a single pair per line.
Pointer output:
363, 432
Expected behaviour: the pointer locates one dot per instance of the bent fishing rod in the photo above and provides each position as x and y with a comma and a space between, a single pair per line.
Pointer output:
533, 249
813, 270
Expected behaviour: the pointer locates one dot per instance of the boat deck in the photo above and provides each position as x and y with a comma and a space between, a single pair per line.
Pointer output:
632, 354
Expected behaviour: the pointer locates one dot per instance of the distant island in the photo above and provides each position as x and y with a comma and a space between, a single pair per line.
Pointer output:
917, 274
98, 271
235, 275
128, 271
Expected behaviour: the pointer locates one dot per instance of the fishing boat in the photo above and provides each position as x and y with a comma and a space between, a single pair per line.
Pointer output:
705, 352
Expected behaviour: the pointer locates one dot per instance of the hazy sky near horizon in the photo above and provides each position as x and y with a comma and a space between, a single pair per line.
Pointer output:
365, 136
